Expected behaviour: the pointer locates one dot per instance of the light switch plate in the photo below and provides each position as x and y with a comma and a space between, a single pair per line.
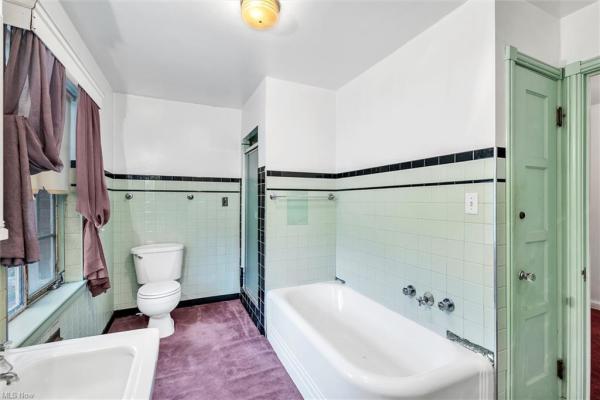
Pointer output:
471, 203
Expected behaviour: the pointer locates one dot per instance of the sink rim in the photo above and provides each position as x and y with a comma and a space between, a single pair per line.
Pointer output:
142, 343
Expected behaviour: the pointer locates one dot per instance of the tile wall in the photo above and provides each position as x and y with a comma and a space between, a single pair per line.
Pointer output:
408, 234
160, 211
393, 226
256, 310
301, 232
82, 315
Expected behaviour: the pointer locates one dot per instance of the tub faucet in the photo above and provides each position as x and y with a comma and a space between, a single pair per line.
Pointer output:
409, 291
426, 299
8, 375
340, 280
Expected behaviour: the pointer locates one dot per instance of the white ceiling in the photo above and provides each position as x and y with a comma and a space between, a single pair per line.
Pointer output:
200, 50
561, 8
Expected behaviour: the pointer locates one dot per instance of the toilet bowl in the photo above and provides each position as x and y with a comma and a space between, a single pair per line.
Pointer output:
157, 267
157, 300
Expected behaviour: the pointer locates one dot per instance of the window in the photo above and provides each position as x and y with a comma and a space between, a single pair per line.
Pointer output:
28, 283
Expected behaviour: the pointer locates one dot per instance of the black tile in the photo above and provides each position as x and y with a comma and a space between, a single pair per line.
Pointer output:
417, 163
483, 153
432, 161
465, 156
447, 159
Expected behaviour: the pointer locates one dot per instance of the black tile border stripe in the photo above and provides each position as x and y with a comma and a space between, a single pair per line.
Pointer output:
172, 178
176, 178
409, 185
414, 185
291, 174
427, 162
168, 191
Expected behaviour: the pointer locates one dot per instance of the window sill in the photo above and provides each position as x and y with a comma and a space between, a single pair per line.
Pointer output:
25, 324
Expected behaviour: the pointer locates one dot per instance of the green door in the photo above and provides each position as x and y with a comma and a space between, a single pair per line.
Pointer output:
534, 267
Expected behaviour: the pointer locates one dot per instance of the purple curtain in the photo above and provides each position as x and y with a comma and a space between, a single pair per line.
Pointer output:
34, 110
92, 197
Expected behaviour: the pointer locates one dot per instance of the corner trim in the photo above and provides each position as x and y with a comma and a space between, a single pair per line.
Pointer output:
512, 53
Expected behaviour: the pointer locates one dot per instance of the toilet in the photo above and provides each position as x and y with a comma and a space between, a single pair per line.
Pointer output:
158, 266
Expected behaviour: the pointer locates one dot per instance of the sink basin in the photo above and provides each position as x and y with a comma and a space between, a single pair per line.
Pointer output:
114, 366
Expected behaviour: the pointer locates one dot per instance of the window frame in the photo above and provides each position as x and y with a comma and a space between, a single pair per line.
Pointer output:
29, 299
58, 234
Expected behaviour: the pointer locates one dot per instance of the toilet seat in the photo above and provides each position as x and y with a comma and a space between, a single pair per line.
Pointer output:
156, 290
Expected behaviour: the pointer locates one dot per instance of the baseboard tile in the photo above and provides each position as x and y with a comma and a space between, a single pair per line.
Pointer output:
182, 304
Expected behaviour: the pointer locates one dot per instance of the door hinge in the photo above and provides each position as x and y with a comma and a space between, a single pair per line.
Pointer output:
584, 274
560, 369
559, 116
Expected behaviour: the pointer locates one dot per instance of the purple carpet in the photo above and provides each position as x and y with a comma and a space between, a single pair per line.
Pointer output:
215, 353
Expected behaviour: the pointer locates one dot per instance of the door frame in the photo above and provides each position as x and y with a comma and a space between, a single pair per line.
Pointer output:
514, 58
577, 165
245, 149
573, 214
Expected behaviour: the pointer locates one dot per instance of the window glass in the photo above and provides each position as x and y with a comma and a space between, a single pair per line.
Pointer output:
29, 282
16, 298
42, 273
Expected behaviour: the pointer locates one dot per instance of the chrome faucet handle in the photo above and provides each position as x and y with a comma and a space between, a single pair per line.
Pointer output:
446, 305
409, 291
427, 299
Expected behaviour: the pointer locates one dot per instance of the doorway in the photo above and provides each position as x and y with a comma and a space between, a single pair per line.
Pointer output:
577, 182
250, 257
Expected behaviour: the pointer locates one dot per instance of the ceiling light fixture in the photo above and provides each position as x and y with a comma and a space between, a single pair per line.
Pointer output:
260, 14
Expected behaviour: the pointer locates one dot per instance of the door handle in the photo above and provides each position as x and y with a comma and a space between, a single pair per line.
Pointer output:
526, 276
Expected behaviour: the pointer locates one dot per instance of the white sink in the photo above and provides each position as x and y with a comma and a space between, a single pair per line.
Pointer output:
114, 366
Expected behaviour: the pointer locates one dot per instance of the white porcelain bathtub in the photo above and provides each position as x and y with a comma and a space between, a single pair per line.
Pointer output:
338, 344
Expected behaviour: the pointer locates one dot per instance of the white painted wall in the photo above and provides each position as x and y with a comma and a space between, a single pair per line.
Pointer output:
253, 115
300, 130
594, 120
580, 35
58, 15
532, 31
154, 136
432, 96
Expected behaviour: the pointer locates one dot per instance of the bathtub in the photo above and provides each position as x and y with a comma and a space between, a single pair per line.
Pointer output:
338, 344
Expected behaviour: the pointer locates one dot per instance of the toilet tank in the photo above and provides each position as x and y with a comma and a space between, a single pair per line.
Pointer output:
158, 262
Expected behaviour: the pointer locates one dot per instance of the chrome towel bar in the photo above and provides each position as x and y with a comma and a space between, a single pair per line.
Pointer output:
275, 196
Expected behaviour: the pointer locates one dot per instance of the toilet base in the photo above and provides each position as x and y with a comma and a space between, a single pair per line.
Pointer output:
164, 323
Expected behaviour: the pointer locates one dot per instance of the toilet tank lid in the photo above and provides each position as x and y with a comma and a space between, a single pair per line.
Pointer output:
157, 248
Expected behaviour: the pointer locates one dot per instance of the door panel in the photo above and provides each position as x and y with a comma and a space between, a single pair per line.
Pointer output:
251, 225
535, 315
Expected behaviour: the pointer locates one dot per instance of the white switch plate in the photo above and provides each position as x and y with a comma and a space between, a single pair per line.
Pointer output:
471, 203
